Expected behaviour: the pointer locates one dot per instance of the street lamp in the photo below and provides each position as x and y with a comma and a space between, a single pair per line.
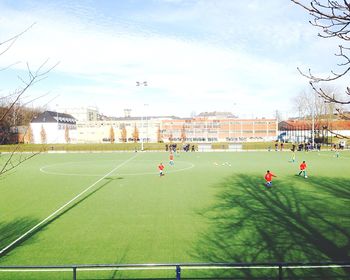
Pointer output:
139, 84
142, 134
313, 122
58, 129
229, 123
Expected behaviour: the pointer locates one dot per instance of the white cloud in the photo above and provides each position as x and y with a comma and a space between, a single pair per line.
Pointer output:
184, 74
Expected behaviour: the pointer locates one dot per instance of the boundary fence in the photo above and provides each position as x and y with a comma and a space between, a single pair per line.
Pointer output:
178, 267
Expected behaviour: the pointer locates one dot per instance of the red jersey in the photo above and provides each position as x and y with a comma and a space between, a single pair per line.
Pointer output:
171, 157
160, 167
303, 166
268, 176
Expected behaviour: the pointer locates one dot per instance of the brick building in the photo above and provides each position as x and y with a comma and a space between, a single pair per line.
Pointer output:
205, 129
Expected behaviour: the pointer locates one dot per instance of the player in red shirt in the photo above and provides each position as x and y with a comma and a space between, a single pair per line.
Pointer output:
161, 168
171, 158
268, 178
302, 168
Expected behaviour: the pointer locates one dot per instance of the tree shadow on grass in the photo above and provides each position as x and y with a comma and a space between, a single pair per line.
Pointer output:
11, 230
17, 228
338, 187
286, 223
4, 176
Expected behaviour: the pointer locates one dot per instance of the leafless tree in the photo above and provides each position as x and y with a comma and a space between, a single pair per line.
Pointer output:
123, 134
111, 135
333, 19
11, 103
309, 103
43, 137
159, 135
183, 134
135, 134
66, 134
28, 138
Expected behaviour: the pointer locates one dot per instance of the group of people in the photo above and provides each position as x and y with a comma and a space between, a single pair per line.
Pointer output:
171, 147
269, 175
308, 147
276, 146
186, 148
302, 146
161, 165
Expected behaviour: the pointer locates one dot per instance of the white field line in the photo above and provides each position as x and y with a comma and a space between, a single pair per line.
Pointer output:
169, 268
65, 205
168, 171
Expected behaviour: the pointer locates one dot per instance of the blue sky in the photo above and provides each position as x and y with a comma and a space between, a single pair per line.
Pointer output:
196, 55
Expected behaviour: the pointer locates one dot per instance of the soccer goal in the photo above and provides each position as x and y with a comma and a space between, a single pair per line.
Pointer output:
204, 147
235, 147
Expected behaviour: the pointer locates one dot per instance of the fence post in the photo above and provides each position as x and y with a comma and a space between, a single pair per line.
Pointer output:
74, 273
280, 272
178, 272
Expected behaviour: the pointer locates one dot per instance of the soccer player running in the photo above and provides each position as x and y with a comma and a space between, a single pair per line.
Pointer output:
293, 157
268, 178
161, 169
171, 159
302, 168
336, 150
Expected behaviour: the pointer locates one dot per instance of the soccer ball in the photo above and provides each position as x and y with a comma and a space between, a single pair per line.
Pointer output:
305, 176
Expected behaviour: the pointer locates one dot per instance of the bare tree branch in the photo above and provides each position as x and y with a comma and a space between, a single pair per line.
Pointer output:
340, 136
13, 39
9, 66
326, 96
35, 77
11, 164
17, 156
333, 18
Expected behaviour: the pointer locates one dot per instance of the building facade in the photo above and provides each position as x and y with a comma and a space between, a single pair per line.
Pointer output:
205, 129
83, 114
168, 129
151, 129
300, 131
53, 127
145, 129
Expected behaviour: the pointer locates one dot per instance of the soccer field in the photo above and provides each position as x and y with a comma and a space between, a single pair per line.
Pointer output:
209, 207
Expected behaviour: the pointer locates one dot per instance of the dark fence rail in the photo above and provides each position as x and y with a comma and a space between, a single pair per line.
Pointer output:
280, 266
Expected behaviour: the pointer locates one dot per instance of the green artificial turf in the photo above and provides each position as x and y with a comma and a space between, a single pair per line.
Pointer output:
209, 207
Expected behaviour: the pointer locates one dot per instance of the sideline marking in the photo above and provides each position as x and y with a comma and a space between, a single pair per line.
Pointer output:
62, 207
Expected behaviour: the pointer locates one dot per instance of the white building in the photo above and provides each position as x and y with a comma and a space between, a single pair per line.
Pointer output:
53, 127
100, 131
150, 129
83, 114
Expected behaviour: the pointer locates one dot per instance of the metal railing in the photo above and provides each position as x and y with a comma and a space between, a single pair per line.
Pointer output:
280, 266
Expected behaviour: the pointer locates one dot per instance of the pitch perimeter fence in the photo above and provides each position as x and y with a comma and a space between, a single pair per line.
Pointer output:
279, 268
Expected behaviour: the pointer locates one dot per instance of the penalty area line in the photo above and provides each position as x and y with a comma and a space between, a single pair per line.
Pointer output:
64, 206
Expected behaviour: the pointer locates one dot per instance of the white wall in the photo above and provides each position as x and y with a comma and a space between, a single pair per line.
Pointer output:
342, 132
94, 132
53, 135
